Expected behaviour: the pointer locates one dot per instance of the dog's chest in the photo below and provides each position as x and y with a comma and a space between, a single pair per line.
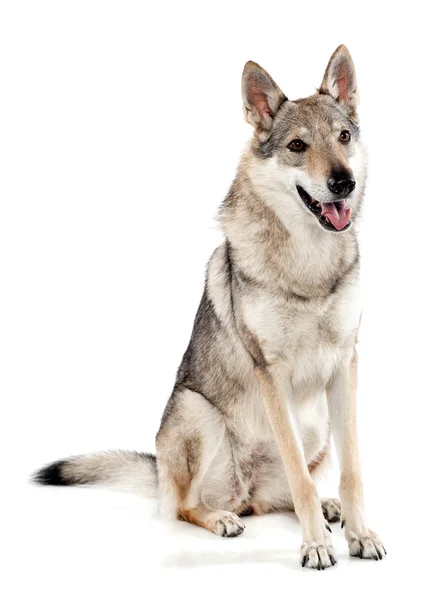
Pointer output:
310, 338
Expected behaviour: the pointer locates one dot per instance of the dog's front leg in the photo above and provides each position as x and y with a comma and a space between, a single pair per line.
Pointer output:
342, 400
316, 550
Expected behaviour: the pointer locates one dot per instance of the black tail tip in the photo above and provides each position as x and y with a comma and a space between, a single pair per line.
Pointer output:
52, 474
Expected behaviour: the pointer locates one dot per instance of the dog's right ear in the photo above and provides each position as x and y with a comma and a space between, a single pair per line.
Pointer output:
261, 97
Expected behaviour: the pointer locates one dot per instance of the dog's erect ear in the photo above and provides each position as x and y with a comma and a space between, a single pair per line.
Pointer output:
261, 97
340, 80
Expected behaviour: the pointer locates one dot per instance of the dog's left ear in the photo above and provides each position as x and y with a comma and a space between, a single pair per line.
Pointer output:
340, 80
261, 97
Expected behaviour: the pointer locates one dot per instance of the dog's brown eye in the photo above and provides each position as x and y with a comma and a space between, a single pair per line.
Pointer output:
297, 146
345, 136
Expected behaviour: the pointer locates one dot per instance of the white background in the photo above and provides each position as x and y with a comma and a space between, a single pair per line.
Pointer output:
121, 128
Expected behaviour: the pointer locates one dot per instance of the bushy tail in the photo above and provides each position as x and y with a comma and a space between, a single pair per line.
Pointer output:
128, 471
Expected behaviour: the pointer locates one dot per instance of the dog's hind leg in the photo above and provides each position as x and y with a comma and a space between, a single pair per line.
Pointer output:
331, 507
189, 439
222, 522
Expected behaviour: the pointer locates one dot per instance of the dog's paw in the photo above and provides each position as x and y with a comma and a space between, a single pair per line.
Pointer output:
317, 556
331, 508
365, 546
226, 524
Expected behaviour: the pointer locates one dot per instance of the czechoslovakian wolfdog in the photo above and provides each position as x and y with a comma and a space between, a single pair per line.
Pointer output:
271, 368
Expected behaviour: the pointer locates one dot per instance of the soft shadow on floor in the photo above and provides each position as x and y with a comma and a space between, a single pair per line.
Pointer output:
290, 560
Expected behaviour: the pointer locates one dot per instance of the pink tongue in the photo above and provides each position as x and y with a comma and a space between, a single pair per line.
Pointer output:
338, 213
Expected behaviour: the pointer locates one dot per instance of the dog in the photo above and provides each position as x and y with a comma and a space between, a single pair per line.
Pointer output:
270, 372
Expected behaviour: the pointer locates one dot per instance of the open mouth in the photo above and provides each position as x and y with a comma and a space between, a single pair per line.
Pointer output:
333, 216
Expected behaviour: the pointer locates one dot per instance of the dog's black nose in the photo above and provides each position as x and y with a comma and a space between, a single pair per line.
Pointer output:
341, 184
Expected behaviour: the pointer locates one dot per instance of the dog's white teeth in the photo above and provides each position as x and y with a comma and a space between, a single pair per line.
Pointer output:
327, 220
318, 205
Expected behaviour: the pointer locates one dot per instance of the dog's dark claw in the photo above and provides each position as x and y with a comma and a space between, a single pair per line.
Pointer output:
328, 528
384, 550
361, 550
333, 561
304, 561
342, 524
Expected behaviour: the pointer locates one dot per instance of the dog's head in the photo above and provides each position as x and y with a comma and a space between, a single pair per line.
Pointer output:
311, 145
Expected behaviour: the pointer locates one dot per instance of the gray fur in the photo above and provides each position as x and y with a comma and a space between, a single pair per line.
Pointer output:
130, 471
